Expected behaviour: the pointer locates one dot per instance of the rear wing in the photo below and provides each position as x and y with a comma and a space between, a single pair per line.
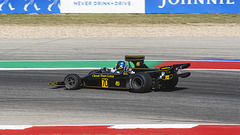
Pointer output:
175, 66
138, 61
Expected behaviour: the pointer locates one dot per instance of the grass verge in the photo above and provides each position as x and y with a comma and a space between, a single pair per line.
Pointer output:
60, 19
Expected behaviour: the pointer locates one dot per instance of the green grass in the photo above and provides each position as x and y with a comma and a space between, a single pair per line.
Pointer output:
59, 19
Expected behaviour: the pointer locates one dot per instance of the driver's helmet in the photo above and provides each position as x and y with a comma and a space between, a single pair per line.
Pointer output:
120, 65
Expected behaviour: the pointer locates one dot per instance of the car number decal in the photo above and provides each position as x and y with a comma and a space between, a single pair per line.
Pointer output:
105, 82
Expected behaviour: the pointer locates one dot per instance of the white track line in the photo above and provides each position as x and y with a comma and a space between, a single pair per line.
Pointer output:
111, 126
37, 69
13, 127
115, 126
149, 126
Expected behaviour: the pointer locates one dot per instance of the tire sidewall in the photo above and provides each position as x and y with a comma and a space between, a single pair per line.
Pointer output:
171, 84
146, 83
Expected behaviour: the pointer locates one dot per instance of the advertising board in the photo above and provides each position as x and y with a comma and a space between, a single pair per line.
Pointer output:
103, 6
192, 6
29, 6
72, 6
119, 6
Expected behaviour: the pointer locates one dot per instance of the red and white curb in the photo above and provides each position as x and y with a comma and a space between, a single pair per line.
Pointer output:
122, 129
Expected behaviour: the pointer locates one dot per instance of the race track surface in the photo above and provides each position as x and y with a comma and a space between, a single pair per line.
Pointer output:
178, 48
205, 97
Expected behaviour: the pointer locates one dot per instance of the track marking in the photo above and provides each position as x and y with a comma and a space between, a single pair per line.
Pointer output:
149, 126
14, 127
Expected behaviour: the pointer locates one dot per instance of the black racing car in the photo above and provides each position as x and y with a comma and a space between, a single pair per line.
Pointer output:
131, 74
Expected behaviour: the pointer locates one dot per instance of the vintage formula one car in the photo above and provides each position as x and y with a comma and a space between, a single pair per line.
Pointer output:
131, 74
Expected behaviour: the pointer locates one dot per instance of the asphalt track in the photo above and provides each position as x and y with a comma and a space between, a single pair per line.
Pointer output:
178, 48
205, 97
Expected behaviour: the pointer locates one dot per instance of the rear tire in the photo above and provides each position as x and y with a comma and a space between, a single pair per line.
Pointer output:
141, 83
171, 83
72, 82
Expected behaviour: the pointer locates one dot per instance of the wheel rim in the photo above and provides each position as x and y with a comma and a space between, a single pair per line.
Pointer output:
71, 82
137, 82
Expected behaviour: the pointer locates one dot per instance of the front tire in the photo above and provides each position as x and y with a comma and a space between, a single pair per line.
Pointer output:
72, 82
141, 83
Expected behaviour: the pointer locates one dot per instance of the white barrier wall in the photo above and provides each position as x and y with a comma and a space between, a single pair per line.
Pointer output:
102, 6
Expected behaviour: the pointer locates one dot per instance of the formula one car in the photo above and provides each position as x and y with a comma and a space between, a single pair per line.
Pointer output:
131, 74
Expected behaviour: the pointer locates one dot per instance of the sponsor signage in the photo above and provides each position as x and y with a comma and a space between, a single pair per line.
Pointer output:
192, 6
103, 6
119, 6
30, 6
72, 6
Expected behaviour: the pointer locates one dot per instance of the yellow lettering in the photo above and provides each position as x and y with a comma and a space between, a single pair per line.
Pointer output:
95, 75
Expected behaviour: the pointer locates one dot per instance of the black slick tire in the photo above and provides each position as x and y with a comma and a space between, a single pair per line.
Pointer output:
171, 83
72, 82
140, 83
